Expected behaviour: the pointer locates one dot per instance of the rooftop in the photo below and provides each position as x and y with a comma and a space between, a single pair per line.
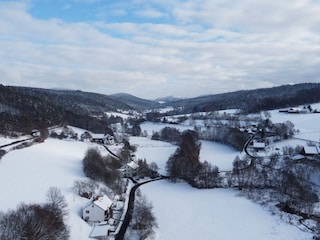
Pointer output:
103, 202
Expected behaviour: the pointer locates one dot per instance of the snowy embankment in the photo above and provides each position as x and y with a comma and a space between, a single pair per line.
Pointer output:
27, 174
187, 213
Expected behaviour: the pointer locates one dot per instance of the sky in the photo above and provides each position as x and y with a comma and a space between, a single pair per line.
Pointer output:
158, 48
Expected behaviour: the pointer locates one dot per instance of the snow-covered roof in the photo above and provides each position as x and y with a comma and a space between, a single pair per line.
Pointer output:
298, 157
97, 135
103, 202
311, 150
259, 145
133, 165
100, 230
294, 110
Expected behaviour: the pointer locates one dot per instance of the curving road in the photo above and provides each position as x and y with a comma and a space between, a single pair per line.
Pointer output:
19, 141
128, 215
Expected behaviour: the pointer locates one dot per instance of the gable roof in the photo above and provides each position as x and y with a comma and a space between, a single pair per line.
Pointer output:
103, 202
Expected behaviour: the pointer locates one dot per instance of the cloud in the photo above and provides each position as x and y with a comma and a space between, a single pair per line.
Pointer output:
150, 13
200, 47
250, 15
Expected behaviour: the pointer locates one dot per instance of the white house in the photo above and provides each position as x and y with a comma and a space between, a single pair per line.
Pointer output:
130, 169
258, 146
98, 210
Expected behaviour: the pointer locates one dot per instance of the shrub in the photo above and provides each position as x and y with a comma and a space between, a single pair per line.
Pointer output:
35, 221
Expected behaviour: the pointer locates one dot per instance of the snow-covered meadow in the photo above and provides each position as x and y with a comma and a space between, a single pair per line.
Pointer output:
307, 124
27, 174
182, 212
187, 213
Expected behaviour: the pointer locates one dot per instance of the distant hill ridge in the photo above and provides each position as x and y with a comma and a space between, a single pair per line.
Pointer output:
25, 108
254, 100
135, 102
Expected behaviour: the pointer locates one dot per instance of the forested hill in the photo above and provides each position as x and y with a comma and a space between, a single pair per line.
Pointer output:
76, 101
135, 102
23, 108
254, 100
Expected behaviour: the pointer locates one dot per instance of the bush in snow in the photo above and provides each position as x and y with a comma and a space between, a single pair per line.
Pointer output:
85, 188
103, 169
36, 221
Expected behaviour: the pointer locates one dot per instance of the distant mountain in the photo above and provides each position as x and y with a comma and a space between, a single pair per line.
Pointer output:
134, 102
167, 99
253, 100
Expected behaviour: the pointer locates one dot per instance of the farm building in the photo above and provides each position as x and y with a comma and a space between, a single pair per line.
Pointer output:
98, 138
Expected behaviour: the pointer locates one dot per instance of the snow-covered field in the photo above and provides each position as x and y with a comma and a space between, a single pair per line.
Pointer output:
27, 174
307, 124
187, 213
182, 212
153, 151
159, 152
218, 154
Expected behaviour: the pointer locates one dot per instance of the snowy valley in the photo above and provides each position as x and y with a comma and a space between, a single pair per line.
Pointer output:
182, 212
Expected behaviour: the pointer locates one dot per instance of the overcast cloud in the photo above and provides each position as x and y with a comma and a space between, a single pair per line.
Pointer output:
154, 48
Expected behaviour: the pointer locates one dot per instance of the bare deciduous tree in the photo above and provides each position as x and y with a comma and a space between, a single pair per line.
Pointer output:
143, 219
56, 201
